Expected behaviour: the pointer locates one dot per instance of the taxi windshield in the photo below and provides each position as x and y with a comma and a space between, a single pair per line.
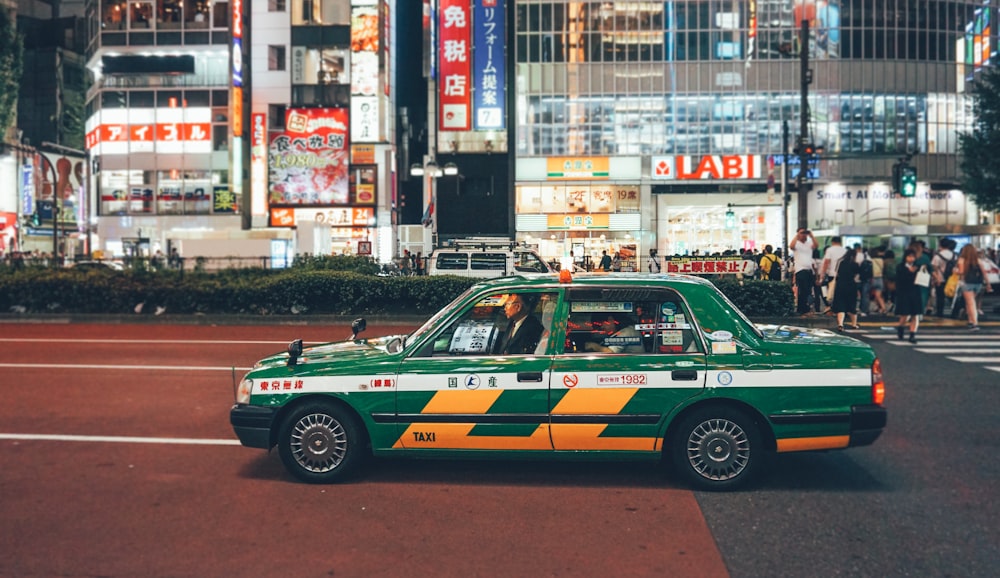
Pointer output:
430, 323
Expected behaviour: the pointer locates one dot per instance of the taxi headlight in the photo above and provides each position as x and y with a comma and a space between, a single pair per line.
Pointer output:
243, 390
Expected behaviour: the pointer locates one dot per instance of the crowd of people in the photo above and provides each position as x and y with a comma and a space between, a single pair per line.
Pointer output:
853, 281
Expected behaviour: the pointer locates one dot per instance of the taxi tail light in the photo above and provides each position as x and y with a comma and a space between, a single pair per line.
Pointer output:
878, 385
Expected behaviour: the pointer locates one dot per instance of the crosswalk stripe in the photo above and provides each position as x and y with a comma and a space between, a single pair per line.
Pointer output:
958, 345
951, 350
965, 336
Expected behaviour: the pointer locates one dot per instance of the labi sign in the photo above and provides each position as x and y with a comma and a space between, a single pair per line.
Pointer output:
876, 205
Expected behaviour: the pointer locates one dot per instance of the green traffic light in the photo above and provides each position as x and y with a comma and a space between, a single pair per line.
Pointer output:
908, 181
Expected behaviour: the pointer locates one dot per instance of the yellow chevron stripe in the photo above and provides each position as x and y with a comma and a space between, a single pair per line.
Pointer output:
816, 443
462, 401
587, 437
583, 401
448, 436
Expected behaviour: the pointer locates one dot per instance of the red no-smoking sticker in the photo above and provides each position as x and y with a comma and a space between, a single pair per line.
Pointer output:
570, 380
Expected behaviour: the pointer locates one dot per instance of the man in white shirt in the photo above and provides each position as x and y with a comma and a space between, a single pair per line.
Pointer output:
831, 260
802, 247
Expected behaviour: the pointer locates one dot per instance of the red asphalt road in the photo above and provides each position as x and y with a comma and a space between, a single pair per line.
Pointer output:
85, 507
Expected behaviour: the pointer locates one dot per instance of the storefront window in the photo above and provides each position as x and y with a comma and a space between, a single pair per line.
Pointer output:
113, 15
141, 15
169, 14
320, 12
126, 192
196, 14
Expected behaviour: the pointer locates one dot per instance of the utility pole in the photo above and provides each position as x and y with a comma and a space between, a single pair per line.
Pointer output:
784, 185
805, 78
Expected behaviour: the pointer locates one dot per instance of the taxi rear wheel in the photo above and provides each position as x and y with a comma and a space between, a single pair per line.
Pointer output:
321, 443
717, 448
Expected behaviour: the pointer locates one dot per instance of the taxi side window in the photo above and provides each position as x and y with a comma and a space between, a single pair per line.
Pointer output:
500, 324
636, 321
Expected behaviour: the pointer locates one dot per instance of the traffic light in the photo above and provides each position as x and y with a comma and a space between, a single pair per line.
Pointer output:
907, 181
904, 179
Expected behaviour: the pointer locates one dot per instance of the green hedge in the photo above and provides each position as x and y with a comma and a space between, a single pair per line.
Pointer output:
759, 297
295, 291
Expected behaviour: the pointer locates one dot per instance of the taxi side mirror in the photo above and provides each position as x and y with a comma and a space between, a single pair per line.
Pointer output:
294, 352
357, 326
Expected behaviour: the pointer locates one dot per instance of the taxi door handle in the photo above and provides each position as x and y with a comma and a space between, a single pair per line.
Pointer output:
529, 376
684, 375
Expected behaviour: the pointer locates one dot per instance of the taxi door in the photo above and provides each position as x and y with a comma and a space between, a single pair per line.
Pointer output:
460, 392
631, 355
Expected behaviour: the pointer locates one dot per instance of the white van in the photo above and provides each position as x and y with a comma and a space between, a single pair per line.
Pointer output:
485, 257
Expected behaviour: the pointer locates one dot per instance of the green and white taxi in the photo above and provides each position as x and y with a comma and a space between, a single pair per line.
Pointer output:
625, 366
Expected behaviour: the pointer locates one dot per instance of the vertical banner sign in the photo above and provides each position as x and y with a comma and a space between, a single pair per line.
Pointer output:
236, 104
27, 190
454, 84
236, 98
309, 162
258, 163
364, 74
488, 64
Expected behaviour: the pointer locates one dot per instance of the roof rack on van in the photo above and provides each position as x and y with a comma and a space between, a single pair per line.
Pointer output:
483, 243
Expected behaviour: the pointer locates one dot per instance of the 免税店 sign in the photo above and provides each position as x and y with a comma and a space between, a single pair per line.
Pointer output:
708, 167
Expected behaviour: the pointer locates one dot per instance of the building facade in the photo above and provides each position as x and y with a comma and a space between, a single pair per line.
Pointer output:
661, 125
222, 127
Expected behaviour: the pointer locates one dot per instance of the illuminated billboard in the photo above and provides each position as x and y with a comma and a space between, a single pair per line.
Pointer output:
309, 161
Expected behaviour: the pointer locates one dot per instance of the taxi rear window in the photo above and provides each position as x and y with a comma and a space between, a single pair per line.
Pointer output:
628, 321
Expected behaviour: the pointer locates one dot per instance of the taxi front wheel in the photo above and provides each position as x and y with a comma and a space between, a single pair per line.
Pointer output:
321, 443
717, 448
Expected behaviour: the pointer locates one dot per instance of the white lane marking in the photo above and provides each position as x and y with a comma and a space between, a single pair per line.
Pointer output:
993, 368
145, 367
127, 341
932, 343
953, 351
975, 359
119, 439
929, 336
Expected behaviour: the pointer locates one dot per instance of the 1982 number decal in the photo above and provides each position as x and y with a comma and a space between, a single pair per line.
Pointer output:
622, 379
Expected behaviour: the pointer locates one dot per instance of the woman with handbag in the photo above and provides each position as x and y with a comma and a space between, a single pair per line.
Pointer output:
970, 269
908, 304
923, 277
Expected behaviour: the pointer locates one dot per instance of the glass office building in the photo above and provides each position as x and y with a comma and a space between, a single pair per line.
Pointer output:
661, 124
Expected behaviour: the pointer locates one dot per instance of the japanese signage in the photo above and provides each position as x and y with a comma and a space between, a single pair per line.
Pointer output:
224, 200
336, 217
577, 168
454, 65
577, 221
488, 64
237, 68
309, 161
258, 162
150, 130
573, 198
706, 265
27, 188
364, 74
709, 167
